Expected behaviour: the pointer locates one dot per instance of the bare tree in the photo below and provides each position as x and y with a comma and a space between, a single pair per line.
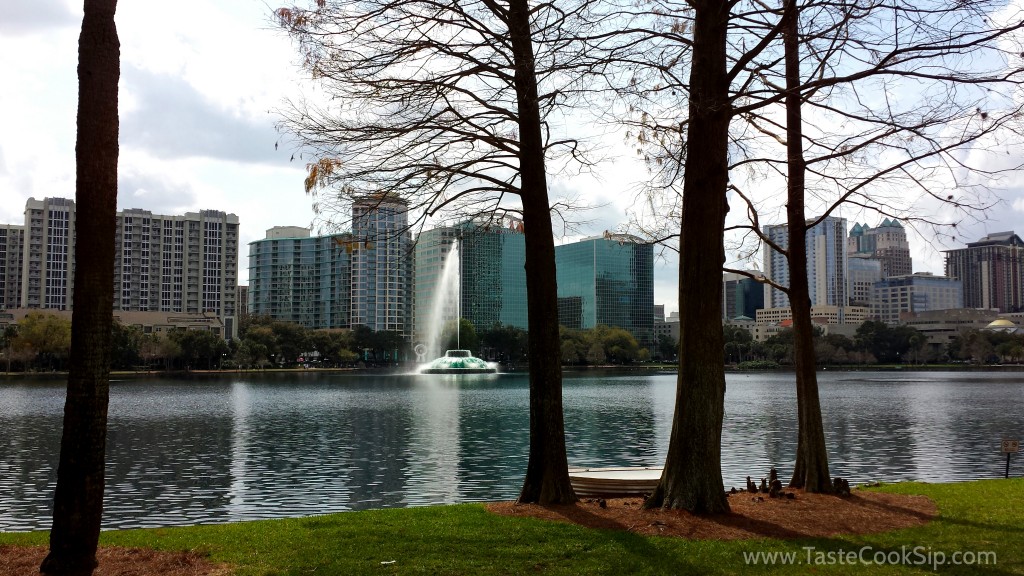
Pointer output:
935, 110
897, 93
441, 105
78, 501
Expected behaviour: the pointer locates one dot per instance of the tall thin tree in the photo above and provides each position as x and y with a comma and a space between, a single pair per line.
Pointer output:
810, 470
78, 500
916, 52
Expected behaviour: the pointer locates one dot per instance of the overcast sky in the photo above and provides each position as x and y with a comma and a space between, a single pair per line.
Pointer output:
199, 81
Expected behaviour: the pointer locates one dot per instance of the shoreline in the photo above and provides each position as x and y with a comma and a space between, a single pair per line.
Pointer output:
668, 368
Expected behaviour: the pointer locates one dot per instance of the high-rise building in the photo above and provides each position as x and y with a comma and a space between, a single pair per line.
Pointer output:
742, 297
826, 263
607, 280
921, 292
862, 273
491, 277
992, 272
48, 259
297, 278
493, 284
381, 264
887, 243
186, 264
12, 237
183, 263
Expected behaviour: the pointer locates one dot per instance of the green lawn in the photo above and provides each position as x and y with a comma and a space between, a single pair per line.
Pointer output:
975, 518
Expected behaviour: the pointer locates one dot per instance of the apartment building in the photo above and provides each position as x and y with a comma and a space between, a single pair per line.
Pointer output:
294, 277
12, 237
183, 263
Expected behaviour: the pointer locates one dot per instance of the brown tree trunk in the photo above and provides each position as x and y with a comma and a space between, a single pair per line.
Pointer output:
692, 478
811, 469
547, 472
78, 501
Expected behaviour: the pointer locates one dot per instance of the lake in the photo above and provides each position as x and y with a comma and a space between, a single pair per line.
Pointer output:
240, 447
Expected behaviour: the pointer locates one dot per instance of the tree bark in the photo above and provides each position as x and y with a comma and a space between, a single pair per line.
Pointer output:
78, 500
547, 472
811, 469
692, 478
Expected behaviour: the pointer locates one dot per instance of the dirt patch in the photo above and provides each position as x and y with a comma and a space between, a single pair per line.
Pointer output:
114, 561
752, 516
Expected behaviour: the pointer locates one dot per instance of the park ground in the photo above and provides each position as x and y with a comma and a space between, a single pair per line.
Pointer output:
906, 528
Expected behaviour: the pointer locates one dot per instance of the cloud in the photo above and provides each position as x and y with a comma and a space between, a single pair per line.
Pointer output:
23, 18
168, 118
157, 193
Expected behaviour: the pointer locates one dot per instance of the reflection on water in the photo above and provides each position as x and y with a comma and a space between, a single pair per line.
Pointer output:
188, 452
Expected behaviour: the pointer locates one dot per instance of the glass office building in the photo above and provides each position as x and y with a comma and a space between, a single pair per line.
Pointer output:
494, 275
862, 274
492, 280
607, 280
742, 297
297, 278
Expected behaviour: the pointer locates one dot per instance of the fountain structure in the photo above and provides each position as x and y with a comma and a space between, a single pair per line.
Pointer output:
446, 304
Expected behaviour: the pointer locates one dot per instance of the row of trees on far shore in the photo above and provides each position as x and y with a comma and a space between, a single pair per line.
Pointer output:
876, 343
40, 342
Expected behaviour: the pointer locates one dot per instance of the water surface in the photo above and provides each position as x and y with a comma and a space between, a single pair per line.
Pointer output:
265, 446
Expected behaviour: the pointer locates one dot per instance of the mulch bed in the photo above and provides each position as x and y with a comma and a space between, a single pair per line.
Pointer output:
752, 516
114, 561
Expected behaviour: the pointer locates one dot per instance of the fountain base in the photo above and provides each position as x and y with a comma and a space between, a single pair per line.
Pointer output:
458, 362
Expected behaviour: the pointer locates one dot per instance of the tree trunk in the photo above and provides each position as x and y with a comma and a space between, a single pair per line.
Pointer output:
78, 500
692, 478
811, 469
547, 472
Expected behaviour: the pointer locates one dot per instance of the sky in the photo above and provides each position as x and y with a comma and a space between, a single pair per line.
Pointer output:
200, 81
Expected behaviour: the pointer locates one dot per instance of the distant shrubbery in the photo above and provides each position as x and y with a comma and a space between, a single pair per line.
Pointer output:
758, 365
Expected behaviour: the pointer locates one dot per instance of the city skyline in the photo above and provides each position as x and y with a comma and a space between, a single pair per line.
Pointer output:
197, 128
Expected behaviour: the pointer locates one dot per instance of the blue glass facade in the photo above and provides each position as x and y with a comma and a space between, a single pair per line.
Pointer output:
493, 283
742, 297
607, 280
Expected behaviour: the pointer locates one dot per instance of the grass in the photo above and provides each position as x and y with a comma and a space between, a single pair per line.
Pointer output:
982, 516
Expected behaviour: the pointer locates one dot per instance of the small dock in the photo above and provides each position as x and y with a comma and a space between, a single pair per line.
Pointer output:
616, 482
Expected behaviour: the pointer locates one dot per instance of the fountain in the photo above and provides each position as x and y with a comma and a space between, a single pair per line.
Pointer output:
459, 362
454, 361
